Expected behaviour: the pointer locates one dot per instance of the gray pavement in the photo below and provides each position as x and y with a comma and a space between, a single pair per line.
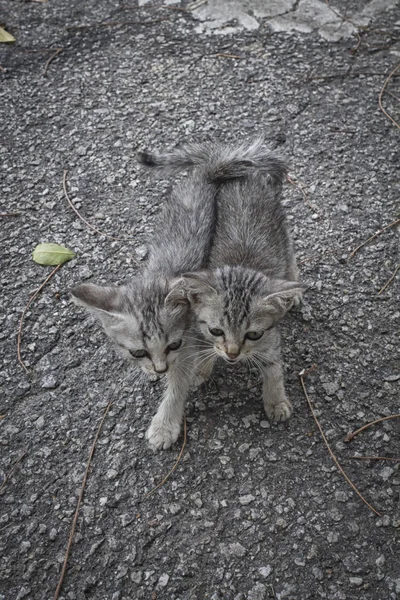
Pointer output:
254, 511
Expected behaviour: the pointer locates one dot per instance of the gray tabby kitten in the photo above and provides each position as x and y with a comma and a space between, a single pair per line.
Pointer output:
252, 280
148, 319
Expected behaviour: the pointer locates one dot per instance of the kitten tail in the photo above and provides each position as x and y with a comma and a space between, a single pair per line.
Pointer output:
219, 162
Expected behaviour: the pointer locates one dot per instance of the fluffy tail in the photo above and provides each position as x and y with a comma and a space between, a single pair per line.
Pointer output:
218, 161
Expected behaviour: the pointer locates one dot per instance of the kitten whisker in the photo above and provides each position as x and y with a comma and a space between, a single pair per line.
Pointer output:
182, 369
205, 358
257, 363
200, 354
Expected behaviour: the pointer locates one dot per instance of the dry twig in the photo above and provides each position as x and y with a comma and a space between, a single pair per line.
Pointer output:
375, 458
392, 224
348, 73
345, 18
353, 434
338, 130
115, 24
388, 78
305, 197
76, 211
11, 214
393, 96
362, 28
356, 47
302, 374
21, 322
80, 497
52, 57
389, 281
11, 471
358, 26
151, 492
196, 4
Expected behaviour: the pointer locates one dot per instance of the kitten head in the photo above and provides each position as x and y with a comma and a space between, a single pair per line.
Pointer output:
147, 326
238, 309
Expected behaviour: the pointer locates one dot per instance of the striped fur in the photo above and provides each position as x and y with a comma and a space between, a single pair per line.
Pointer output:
149, 314
252, 279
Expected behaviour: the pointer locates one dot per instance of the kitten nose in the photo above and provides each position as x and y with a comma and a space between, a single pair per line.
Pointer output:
232, 351
160, 369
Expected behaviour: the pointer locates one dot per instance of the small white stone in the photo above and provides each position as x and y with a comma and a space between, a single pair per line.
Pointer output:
141, 252
386, 473
136, 577
243, 447
163, 580
281, 523
111, 474
49, 382
246, 499
265, 571
174, 508
380, 561
340, 496
25, 546
39, 422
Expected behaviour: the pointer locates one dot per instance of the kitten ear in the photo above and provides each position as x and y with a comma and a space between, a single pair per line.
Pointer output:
195, 287
104, 301
283, 295
177, 296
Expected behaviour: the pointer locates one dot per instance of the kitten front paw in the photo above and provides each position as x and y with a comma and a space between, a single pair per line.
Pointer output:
279, 411
297, 299
161, 434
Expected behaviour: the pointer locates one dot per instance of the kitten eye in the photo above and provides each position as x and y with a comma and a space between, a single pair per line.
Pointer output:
174, 345
139, 353
216, 332
254, 335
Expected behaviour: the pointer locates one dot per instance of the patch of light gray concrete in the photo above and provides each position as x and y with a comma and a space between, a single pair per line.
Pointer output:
216, 14
285, 15
313, 15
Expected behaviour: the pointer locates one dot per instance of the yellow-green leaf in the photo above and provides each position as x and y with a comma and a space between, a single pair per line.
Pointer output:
5, 36
51, 254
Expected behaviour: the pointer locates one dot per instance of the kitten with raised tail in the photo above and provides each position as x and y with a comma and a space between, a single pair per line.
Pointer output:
150, 319
252, 279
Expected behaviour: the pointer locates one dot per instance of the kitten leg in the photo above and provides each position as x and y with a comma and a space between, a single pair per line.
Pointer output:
166, 424
276, 404
293, 275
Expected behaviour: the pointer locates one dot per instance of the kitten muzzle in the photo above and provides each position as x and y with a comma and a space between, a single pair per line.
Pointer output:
232, 352
155, 376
